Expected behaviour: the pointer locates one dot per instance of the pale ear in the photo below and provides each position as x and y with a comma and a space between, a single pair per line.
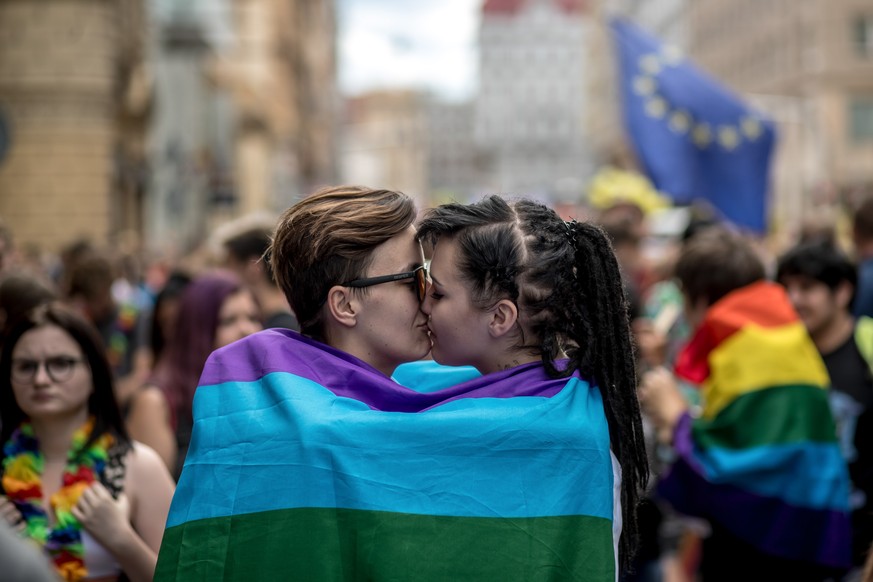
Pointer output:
843, 294
503, 317
341, 306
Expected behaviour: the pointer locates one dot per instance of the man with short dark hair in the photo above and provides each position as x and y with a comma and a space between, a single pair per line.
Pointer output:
820, 281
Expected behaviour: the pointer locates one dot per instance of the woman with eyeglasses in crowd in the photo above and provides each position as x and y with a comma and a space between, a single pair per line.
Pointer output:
72, 480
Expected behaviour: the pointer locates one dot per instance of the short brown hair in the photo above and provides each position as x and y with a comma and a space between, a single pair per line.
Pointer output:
327, 239
716, 262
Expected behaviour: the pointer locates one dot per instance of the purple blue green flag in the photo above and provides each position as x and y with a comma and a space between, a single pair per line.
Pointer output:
308, 464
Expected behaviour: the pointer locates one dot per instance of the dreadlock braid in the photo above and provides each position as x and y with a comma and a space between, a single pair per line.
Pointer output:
575, 300
608, 347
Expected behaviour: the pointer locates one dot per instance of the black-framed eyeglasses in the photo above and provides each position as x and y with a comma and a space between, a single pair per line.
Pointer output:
59, 368
419, 274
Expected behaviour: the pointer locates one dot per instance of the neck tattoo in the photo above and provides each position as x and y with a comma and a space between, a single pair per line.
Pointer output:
512, 365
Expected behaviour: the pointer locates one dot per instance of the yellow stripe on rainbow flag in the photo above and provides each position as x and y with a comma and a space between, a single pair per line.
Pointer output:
743, 363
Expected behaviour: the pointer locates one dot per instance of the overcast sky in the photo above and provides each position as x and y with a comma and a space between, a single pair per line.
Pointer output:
408, 43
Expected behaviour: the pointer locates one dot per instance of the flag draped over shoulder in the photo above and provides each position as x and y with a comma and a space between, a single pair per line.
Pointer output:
693, 137
307, 464
762, 460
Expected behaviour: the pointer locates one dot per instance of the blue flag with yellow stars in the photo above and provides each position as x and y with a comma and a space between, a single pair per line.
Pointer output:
693, 137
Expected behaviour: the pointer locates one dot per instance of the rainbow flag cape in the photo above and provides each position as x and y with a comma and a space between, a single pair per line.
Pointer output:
307, 464
762, 460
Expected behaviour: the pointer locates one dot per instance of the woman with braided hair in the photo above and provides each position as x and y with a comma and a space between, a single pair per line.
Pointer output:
518, 292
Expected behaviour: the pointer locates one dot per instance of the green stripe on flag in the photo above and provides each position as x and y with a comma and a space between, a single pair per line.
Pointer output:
325, 544
775, 416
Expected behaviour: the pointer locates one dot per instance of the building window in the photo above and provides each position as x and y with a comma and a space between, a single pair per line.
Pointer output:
861, 119
863, 36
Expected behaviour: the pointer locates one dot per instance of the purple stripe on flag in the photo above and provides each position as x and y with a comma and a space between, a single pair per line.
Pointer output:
774, 527
684, 444
280, 350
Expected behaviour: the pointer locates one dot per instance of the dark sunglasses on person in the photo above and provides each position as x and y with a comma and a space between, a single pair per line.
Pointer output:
419, 274
59, 368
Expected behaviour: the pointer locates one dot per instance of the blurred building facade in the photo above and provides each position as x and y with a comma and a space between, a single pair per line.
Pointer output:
260, 79
530, 109
191, 138
74, 99
808, 64
282, 75
385, 141
453, 166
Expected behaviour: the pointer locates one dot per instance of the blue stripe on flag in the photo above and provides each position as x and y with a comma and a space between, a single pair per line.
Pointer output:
285, 441
815, 482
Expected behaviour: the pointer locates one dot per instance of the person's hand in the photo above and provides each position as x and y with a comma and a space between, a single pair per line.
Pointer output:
651, 344
105, 518
660, 397
10, 514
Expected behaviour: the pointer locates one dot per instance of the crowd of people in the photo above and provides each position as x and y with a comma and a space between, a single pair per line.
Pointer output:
485, 391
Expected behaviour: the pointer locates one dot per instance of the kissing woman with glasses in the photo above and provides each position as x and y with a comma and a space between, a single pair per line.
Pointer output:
268, 407
72, 480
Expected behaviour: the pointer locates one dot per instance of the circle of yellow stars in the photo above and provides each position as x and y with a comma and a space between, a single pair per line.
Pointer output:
645, 84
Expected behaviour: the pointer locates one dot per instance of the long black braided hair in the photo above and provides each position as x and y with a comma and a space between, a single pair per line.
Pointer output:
565, 280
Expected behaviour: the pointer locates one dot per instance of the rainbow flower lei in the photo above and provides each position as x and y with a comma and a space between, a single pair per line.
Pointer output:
22, 471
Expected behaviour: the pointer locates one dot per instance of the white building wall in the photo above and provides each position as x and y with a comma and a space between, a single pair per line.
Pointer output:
530, 110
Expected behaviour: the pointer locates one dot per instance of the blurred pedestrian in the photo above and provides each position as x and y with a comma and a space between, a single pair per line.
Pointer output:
662, 331
761, 461
518, 291
73, 481
214, 310
143, 406
668, 540
165, 313
624, 223
89, 290
820, 282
